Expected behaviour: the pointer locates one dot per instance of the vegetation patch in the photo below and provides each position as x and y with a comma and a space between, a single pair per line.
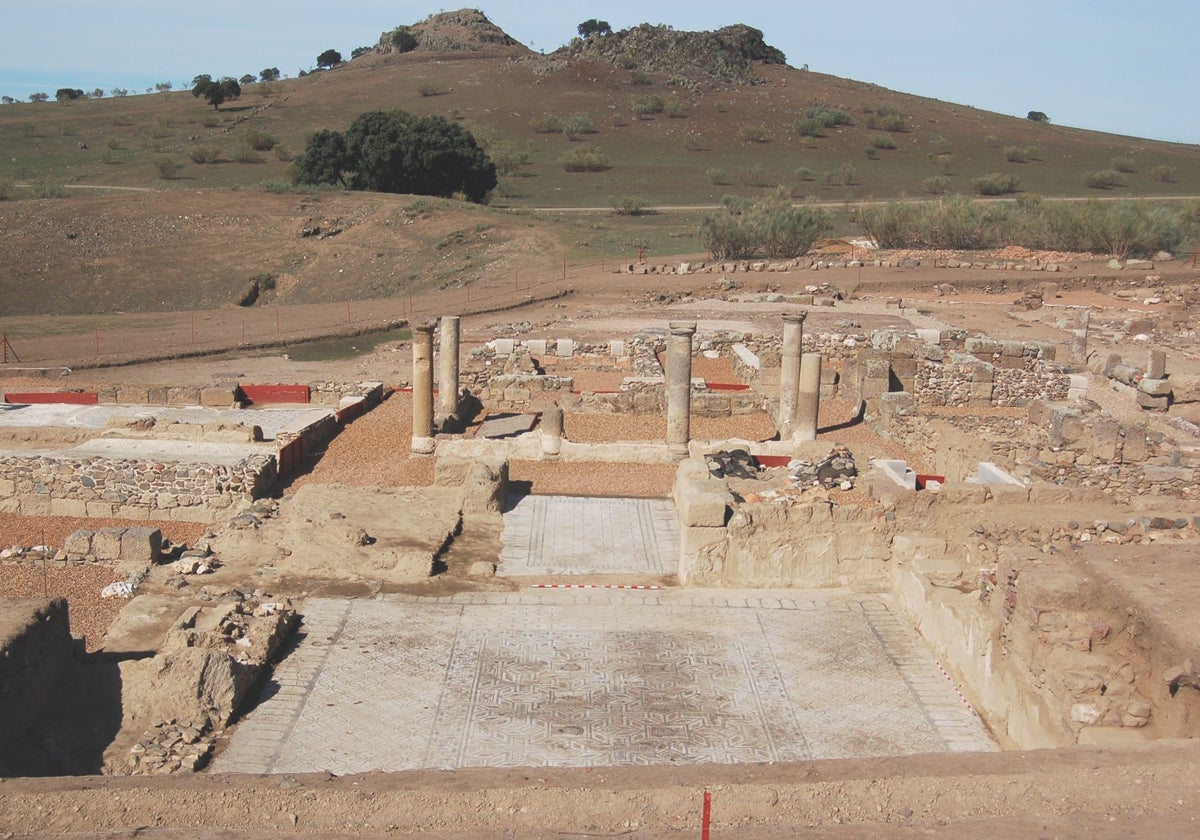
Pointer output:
771, 226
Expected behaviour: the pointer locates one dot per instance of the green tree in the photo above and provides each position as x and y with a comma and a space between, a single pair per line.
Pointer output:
403, 40
68, 94
357, 51
248, 79
592, 27
7, 100
771, 226
270, 74
216, 93
397, 152
38, 97
329, 58
1037, 116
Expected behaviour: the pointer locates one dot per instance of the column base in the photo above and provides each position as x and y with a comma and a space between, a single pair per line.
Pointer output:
423, 446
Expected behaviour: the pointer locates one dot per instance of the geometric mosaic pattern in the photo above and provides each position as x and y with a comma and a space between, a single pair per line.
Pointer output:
569, 535
598, 678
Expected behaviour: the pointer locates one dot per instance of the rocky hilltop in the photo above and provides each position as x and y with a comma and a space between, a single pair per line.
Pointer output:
466, 30
725, 55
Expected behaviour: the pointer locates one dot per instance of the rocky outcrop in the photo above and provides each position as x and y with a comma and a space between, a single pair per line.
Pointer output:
466, 30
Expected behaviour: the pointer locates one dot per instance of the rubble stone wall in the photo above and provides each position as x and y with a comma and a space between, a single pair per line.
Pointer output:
47, 485
963, 380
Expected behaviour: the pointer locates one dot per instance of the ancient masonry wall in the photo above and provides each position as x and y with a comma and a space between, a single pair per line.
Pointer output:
50, 485
35, 654
1093, 455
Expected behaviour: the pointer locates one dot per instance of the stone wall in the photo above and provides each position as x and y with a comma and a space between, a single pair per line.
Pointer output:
56, 485
964, 380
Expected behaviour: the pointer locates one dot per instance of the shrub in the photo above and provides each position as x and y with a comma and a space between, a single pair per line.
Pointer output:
771, 226
630, 205
890, 121
122, 120
1015, 154
882, 141
283, 153
803, 173
277, 187
1033, 152
1123, 163
809, 128
870, 152
546, 124
694, 142
644, 106
46, 186
111, 157
258, 140
942, 161
675, 109
755, 175
577, 125
640, 77
114, 143
168, 168
247, 155
992, 140
210, 120
996, 184
828, 117
720, 107
717, 176
754, 133
203, 154
1163, 174
1037, 116
1104, 179
844, 176
162, 130
431, 89
937, 185
586, 158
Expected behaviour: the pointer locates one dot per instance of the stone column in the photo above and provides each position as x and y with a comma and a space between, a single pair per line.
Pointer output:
422, 436
552, 432
789, 371
448, 369
1077, 348
808, 399
679, 386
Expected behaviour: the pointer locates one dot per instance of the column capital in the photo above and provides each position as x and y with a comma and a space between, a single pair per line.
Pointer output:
685, 328
423, 327
795, 317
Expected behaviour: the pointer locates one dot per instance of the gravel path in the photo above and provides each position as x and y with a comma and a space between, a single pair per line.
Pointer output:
90, 614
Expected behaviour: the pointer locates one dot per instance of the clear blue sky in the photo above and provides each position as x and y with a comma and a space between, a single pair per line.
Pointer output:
1111, 65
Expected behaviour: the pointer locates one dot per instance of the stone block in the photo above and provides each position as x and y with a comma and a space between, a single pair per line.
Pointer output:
989, 473
35, 504
1135, 449
134, 512
695, 539
1166, 475
1008, 494
216, 397
564, 348
702, 504
963, 493
78, 543
907, 548
8, 487
898, 471
1050, 494
106, 543
68, 507
1155, 387
616, 348
897, 403
100, 510
504, 346
140, 544
930, 336
183, 395
536, 346
1151, 403
1156, 364
133, 395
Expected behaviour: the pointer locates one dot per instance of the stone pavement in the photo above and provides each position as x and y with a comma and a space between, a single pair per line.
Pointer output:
568, 535
597, 678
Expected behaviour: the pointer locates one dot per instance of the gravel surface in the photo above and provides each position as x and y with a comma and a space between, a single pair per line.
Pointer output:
605, 428
373, 451
54, 530
89, 613
591, 478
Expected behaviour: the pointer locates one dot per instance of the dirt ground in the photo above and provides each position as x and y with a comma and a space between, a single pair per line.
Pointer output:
1127, 792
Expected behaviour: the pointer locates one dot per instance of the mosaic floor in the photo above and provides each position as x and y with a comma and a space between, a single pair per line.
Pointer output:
599, 677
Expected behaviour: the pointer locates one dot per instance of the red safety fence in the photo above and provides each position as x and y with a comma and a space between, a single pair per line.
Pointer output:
54, 398
271, 394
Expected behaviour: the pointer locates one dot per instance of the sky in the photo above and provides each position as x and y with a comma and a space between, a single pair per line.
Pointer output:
1110, 65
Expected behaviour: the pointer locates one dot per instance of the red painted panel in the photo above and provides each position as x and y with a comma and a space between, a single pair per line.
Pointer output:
922, 480
264, 394
54, 398
722, 386
772, 460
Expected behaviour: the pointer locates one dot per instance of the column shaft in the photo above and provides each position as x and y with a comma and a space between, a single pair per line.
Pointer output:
422, 437
808, 400
789, 371
448, 368
679, 386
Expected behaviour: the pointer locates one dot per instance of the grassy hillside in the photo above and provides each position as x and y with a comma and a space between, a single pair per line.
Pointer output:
193, 232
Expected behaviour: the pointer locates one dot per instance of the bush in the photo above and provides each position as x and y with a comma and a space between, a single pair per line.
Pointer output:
114, 143
803, 173
1124, 163
258, 140
546, 124
1163, 174
168, 168
844, 176
47, 186
694, 142
1104, 179
643, 106
631, 205
882, 141
1015, 154
586, 158
210, 120
720, 107
941, 160
828, 117
577, 125
122, 120
203, 154
283, 153
771, 226
640, 77
755, 175
675, 109
754, 134
992, 140
717, 176
809, 128
870, 152
277, 187
937, 185
890, 121
162, 130
996, 184
431, 89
